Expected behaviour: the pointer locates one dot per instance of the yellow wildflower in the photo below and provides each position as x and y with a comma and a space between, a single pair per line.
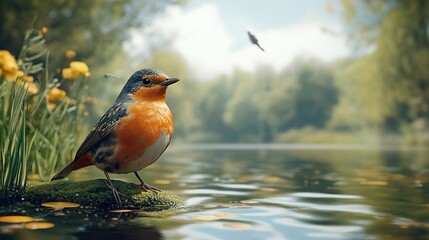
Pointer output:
70, 54
81, 67
8, 66
5, 56
76, 69
29, 78
55, 94
70, 74
31, 87
44, 30
51, 106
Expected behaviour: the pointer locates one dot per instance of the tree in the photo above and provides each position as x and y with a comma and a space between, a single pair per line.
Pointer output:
397, 30
94, 29
242, 110
304, 95
210, 107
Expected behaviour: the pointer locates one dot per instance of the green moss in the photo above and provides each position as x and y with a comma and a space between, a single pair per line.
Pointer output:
9, 195
95, 193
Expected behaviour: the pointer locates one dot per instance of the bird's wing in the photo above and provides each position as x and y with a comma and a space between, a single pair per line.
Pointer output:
103, 129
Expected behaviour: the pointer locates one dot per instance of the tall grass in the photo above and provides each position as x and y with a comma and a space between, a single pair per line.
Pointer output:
38, 131
16, 142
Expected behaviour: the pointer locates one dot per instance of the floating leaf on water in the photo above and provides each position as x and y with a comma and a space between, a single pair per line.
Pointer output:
374, 183
205, 218
226, 215
268, 189
218, 195
238, 226
210, 205
121, 210
249, 201
273, 180
60, 205
237, 205
15, 219
162, 181
39, 225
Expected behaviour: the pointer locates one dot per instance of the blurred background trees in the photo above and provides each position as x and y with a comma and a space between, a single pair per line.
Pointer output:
388, 86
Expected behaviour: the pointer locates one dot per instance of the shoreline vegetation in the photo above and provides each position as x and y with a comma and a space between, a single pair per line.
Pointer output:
42, 113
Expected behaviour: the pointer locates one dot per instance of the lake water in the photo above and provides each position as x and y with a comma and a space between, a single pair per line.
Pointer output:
264, 192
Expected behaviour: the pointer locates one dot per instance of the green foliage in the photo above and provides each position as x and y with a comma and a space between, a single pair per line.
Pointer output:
391, 82
210, 106
16, 143
311, 135
304, 96
242, 110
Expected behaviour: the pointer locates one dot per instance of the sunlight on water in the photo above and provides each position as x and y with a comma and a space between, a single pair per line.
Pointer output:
264, 193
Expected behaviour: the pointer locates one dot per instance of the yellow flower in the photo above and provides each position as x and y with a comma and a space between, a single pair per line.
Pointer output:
55, 94
44, 30
81, 67
70, 74
29, 78
31, 87
51, 106
5, 56
8, 66
70, 54
76, 69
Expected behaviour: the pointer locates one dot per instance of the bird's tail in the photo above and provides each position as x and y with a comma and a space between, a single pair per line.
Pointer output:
64, 172
82, 162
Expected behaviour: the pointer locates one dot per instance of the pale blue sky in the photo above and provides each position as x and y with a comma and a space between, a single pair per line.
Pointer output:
211, 34
260, 15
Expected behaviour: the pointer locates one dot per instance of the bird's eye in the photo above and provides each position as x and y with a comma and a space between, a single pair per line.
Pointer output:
146, 81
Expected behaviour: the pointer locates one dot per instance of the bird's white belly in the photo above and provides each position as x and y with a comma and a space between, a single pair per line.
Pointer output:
151, 154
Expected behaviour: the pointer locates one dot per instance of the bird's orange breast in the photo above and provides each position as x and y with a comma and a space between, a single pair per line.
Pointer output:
141, 128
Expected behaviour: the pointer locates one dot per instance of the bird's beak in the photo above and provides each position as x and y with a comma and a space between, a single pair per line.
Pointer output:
168, 81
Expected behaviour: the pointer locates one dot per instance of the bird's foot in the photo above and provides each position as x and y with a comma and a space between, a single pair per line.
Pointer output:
115, 193
149, 188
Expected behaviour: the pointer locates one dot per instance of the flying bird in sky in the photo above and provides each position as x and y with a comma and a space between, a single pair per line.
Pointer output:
254, 40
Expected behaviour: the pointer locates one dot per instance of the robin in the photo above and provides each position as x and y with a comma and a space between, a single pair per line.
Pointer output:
132, 134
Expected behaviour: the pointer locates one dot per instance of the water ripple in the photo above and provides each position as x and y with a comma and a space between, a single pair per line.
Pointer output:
213, 192
291, 201
323, 195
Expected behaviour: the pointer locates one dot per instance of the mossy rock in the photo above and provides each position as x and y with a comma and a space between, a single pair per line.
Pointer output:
95, 193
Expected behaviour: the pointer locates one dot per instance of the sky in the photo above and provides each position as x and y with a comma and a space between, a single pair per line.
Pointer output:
212, 35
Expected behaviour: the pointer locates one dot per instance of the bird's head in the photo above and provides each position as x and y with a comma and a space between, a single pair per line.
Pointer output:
147, 85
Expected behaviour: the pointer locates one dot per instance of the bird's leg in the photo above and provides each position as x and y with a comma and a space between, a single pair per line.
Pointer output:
114, 191
145, 186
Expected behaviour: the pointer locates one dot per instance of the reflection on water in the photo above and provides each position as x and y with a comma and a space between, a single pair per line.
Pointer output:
264, 192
